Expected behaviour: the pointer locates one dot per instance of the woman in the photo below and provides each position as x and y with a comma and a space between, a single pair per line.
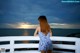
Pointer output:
44, 32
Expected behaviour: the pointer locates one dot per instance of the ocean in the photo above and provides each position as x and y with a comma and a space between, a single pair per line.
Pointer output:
30, 32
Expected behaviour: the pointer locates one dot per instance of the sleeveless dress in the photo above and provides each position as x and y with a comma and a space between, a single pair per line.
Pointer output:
45, 42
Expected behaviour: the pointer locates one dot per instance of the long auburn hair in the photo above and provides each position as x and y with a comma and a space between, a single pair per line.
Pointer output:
44, 26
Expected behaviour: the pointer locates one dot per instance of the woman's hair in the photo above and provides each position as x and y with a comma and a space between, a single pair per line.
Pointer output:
44, 26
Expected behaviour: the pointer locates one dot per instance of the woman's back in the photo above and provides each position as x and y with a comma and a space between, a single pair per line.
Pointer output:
45, 42
44, 32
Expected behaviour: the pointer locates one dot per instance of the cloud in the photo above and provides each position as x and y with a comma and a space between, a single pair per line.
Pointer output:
23, 25
29, 10
27, 25
64, 25
1, 12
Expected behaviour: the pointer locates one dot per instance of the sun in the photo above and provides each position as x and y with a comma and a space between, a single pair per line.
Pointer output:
25, 26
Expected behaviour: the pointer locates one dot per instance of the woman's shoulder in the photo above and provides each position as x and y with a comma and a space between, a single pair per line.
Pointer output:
38, 28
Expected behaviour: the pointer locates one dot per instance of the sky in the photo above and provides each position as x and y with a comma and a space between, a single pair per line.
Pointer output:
20, 13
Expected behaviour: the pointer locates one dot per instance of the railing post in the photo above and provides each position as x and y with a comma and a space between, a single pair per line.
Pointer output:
12, 46
77, 46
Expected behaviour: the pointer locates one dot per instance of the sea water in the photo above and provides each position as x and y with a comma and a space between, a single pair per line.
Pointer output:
30, 32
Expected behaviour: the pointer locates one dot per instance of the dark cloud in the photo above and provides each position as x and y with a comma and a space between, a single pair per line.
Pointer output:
12, 11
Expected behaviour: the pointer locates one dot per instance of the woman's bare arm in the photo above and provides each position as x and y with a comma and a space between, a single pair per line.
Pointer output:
50, 32
36, 31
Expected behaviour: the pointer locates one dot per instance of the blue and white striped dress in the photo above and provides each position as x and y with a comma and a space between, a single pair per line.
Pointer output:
45, 42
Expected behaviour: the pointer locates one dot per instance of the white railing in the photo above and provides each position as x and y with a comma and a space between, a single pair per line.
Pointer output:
12, 44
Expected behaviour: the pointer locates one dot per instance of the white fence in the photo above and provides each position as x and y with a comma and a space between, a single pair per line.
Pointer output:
12, 44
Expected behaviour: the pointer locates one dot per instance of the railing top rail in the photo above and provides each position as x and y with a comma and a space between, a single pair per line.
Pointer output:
53, 38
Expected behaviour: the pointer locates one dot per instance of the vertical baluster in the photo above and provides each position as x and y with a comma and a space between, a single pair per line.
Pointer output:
77, 46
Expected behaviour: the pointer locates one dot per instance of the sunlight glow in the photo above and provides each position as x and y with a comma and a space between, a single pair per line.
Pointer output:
25, 26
